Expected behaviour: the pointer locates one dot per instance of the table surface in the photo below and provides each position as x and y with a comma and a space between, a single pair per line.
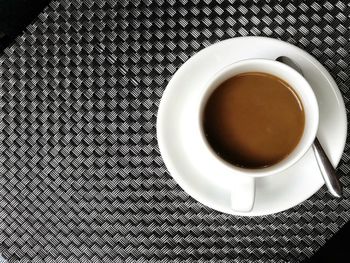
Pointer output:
63, 194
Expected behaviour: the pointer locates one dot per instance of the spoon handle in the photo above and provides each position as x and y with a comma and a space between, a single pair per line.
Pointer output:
327, 170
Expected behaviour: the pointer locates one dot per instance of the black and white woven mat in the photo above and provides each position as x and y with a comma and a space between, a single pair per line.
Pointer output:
81, 176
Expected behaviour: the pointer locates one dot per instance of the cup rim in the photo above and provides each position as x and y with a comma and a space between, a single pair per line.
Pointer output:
295, 155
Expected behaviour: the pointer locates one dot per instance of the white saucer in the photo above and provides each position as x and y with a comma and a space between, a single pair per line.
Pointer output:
273, 193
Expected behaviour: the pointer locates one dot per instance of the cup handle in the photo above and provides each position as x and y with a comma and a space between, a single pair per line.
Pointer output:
243, 194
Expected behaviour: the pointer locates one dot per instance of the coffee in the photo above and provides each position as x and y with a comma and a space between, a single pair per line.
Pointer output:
253, 120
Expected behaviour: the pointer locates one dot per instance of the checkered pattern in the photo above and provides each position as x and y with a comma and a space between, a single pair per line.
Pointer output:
81, 176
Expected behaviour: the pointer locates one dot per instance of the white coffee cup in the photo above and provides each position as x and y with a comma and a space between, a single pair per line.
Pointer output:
241, 181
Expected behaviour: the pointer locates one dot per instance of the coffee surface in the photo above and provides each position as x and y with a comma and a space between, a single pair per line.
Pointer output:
253, 120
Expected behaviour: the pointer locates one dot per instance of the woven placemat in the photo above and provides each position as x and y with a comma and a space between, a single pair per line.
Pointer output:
81, 176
